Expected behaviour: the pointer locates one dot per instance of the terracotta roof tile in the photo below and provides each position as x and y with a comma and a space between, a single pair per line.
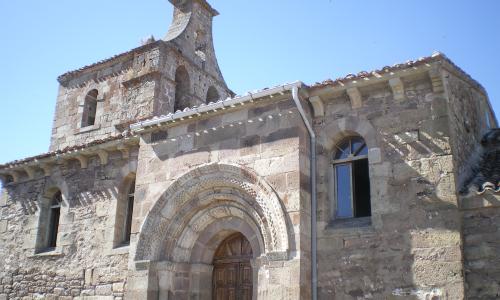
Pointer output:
438, 56
485, 170
70, 74
66, 150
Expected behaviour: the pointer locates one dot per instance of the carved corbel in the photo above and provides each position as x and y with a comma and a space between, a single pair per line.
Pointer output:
125, 151
318, 106
30, 171
103, 156
436, 79
355, 97
47, 169
84, 161
398, 89
62, 160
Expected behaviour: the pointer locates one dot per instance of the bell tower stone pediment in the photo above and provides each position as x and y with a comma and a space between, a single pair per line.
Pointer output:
191, 32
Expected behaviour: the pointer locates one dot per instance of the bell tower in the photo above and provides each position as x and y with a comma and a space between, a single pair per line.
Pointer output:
160, 77
191, 32
191, 74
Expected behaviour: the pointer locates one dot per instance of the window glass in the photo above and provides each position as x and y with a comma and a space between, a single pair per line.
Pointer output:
343, 150
352, 180
343, 184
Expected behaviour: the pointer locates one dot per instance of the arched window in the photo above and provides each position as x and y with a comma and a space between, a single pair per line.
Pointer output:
48, 226
54, 214
351, 179
124, 213
89, 109
130, 210
212, 94
182, 86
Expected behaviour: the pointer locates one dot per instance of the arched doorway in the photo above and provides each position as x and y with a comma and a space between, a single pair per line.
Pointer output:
232, 274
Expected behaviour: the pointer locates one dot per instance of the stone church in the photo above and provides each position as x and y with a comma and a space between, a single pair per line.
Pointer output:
161, 183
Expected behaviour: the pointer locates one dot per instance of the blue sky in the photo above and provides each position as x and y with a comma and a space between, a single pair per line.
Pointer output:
258, 44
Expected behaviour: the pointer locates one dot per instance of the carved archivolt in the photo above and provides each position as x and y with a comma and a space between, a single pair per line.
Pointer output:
204, 196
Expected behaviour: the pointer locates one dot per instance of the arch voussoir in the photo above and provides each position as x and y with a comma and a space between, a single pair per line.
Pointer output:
208, 195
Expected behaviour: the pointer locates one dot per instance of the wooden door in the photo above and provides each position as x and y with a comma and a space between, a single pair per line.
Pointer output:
232, 275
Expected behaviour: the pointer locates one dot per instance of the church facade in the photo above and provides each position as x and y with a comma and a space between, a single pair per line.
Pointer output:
161, 183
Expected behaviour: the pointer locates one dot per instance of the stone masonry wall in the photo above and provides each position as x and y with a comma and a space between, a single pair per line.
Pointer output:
132, 88
481, 246
411, 245
200, 82
126, 92
84, 264
469, 114
467, 107
268, 139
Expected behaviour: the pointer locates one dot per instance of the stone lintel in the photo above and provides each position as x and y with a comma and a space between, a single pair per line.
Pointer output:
355, 97
318, 106
398, 89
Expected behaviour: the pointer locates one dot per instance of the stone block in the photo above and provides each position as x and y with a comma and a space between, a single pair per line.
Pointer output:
105, 289
3, 226
434, 238
88, 277
58, 291
118, 287
88, 292
94, 298
102, 209
374, 155
407, 137
3, 197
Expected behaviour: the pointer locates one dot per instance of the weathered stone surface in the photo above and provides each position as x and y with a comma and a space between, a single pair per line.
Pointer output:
246, 169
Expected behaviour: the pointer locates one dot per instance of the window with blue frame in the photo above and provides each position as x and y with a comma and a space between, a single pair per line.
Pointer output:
351, 179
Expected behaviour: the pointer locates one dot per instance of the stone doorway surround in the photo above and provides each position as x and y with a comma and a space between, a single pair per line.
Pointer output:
174, 250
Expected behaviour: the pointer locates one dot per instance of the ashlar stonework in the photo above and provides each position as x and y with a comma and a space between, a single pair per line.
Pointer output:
160, 183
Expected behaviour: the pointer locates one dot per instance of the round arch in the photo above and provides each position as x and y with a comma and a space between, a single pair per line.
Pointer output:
346, 127
208, 195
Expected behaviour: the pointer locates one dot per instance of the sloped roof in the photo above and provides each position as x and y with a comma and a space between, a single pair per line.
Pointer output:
124, 135
70, 74
437, 56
